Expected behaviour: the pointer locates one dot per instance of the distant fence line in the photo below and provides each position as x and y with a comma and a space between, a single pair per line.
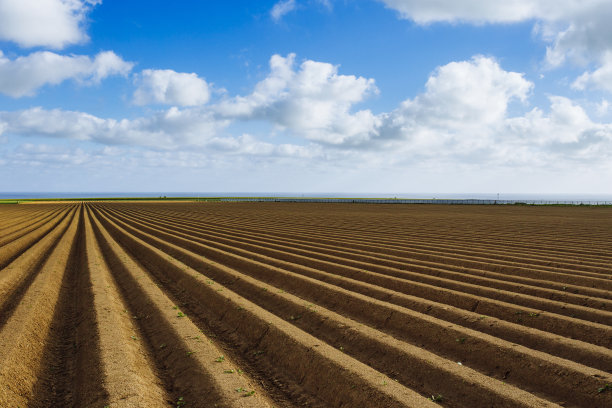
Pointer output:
414, 201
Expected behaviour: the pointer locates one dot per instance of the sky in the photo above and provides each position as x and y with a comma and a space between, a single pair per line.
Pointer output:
362, 96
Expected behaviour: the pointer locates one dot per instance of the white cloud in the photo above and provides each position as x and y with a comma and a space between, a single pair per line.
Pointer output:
23, 76
602, 108
170, 88
326, 3
461, 112
47, 23
461, 119
474, 11
281, 8
578, 31
108, 63
485, 11
169, 129
467, 93
174, 130
580, 34
29, 154
3, 127
566, 123
312, 101
459, 125
600, 78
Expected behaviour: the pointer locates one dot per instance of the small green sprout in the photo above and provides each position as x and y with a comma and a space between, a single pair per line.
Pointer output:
220, 359
437, 398
604, 388
244, 390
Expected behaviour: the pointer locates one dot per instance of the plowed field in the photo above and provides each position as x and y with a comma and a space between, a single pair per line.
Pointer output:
304, 305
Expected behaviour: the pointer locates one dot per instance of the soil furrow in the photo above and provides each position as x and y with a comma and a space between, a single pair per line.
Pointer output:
13, 249
71, 375
19, 274
184, 357
323, 370
127, 374
425, 235
441, 278
24, 226
428, 331
466, 274
574, 328
456, 249
573, 276
11, 223
25, 336
262, 304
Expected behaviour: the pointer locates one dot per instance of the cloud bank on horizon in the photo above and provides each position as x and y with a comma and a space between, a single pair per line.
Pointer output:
306, 124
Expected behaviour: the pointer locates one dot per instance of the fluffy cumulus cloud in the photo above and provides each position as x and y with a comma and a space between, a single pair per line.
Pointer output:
311, 100
600, 78
24, 75
563, 138
47, 23
463, 109
466, 94
461, 117
566, 123
170, 88
281, 8
578, 31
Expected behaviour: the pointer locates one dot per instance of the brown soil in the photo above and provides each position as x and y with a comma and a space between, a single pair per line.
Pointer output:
160, 304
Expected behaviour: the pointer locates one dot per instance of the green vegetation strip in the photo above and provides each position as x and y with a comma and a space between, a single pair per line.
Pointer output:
319, 199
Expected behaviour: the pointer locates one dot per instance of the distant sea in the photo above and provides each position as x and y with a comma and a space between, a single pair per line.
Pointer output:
479, 196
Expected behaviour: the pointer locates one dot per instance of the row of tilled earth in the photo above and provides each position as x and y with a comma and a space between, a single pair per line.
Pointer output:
313, 305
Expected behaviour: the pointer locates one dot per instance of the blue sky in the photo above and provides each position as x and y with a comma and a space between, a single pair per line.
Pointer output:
380, 96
